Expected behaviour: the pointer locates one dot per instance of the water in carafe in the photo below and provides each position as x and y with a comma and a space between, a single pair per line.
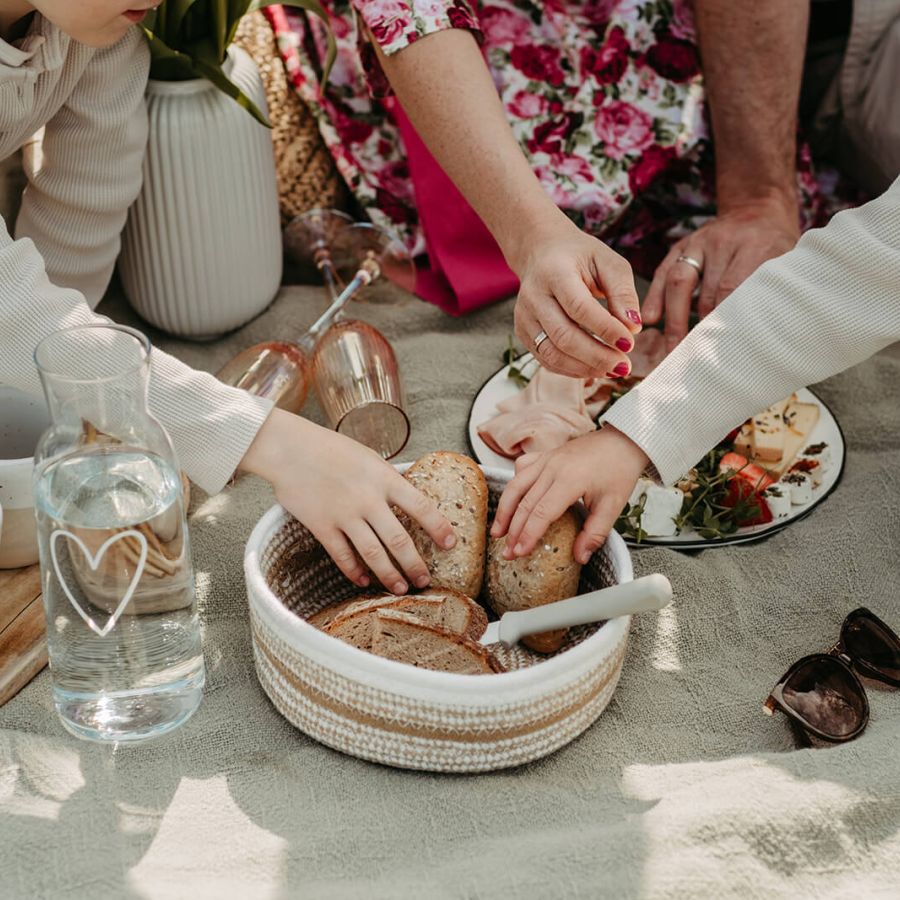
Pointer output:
118, 585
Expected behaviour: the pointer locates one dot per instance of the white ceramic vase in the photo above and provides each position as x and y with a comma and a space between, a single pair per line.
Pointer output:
201, 253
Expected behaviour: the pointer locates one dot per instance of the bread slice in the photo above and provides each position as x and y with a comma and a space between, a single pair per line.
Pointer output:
457, 486
548, 574
444, 607
405, 638
324, 617
358, 627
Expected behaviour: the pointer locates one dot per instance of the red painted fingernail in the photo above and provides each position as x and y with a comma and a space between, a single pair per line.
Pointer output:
621, 370
634, 316
623, 344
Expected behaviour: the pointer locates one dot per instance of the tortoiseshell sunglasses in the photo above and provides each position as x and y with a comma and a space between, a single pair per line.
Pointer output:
822, 693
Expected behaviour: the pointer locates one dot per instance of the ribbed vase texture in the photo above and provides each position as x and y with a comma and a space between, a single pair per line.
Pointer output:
201, 253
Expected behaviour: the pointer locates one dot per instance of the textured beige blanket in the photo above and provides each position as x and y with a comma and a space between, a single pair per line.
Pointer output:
681, 789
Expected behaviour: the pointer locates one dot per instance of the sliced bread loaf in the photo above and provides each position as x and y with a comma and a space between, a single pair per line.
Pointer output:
444, 607
458, 487
405, 638
548, 574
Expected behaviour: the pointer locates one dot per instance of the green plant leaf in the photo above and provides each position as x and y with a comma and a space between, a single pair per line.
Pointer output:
168, 64
190, 39
217, 77
221, 23
174, 13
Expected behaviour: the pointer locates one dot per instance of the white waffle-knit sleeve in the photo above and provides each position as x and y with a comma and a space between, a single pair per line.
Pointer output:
81, 183
829, 303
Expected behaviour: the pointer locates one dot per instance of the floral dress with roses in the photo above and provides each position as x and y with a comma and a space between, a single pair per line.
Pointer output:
605, 98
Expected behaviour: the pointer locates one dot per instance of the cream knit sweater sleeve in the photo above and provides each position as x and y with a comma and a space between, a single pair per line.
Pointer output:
830, 303
83, 177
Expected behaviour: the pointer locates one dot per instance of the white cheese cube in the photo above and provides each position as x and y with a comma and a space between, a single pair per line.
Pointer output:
778, 499
800, 485
810, 466
660, 509
821, 452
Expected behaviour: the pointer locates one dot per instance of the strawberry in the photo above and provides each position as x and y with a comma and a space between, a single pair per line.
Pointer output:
758, 478
740, 490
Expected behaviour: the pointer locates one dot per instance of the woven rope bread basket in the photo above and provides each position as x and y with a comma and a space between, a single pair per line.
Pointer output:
399, 715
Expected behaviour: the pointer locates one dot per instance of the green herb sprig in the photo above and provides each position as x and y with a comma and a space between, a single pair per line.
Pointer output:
510, 355
629, 521
705, 507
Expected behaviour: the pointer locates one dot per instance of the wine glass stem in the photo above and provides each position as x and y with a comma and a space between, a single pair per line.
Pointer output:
330, 278
326, 320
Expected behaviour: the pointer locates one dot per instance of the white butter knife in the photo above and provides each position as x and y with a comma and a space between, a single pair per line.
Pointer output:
643, 595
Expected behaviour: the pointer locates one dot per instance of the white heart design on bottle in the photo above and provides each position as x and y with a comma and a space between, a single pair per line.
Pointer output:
94, 562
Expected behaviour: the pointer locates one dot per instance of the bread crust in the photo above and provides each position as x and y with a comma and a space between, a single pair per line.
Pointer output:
458, 487
474, 655
345, 620
548, 574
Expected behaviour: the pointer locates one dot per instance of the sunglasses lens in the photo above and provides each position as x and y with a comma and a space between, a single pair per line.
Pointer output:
870, 641
827, 696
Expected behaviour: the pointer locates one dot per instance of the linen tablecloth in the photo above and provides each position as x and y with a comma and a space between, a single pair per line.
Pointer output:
681, 789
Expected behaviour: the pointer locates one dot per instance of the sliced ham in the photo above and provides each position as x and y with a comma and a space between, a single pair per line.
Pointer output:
548, 413
554, 409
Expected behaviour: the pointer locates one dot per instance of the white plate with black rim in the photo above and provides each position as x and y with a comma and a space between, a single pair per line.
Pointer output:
500, 387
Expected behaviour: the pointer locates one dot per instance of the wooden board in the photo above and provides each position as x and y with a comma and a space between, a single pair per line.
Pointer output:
23, 631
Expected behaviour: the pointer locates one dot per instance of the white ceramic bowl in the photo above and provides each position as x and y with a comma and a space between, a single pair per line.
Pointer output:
399, 715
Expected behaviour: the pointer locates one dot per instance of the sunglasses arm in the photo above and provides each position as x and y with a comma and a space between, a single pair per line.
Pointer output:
770, 707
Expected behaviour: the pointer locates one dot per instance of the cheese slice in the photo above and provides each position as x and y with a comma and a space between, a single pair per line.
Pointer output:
769, 432
799, 421
743, 443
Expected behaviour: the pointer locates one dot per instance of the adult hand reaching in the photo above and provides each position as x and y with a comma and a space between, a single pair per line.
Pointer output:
558, 315
343, 493
718, 257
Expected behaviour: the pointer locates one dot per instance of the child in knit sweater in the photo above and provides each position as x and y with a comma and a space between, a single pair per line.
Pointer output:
78, 70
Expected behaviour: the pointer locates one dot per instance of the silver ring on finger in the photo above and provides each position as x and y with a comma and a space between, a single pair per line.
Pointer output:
694, 263
539, 339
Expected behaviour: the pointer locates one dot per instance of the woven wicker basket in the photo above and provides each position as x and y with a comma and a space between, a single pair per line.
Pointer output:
412, 718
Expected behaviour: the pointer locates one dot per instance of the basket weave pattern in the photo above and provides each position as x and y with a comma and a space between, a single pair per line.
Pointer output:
306, 173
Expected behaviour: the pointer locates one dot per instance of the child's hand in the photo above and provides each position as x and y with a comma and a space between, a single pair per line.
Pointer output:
343, 493
602, 468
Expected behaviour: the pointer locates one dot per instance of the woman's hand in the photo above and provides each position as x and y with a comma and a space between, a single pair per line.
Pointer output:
602, 468
343, 493
563, 273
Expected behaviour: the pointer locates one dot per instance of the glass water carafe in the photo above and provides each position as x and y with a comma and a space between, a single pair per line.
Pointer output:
117, 577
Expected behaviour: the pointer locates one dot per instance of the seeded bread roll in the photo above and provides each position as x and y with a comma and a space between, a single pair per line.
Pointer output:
548, 574
444, 607
459, 489
405, 638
